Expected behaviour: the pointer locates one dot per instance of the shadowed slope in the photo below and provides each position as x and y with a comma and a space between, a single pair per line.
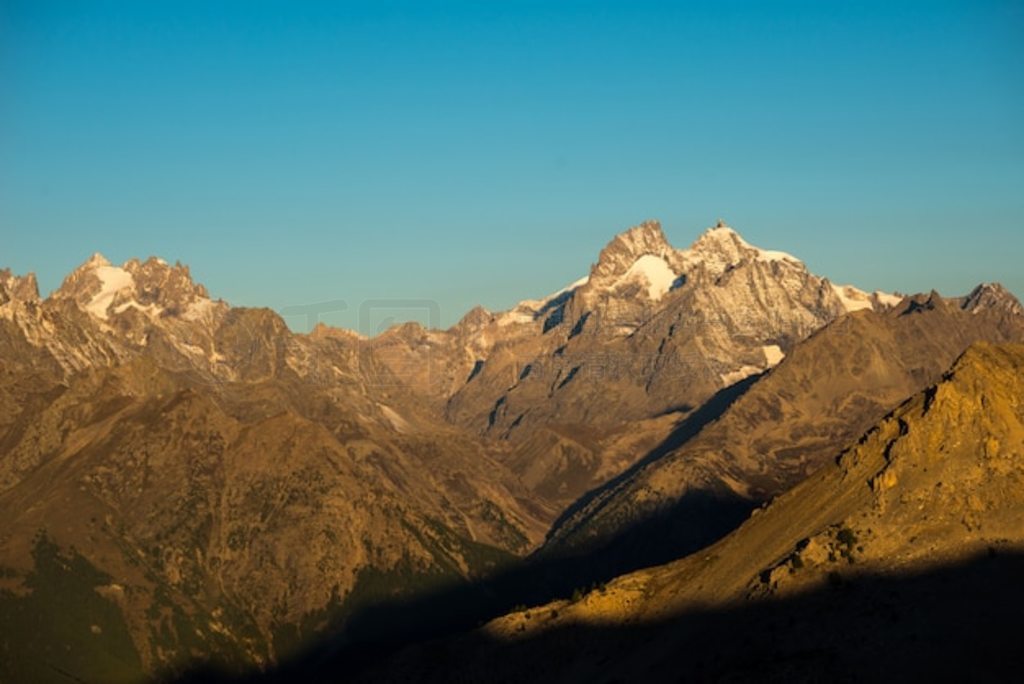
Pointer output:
902, 558
828, 391
951, 623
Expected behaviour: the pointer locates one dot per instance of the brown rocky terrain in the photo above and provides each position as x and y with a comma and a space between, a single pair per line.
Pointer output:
246, 514
230, 487
830, 389
899, 559
209, 487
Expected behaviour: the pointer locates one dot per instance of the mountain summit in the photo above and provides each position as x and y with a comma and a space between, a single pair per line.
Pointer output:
181, 478
619, 255
151, 286
992, 297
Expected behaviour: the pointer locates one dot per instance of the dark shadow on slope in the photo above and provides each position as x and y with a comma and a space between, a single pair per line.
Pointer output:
380, 630
953, 623
695, 521
687, 429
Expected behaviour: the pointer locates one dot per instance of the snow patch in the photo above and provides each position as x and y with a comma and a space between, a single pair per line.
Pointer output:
151, 310
887, 299
775, 255
112, 281
537, 303
513, 317
773, 354
761, 254
742, 373
851, 298
575, 284
655, 272
526, 311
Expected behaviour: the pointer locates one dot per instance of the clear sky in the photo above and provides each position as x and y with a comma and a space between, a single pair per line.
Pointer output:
484, 152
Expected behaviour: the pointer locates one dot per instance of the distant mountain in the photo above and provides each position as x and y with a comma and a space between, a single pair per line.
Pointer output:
229, 487
649, 335
208, 485
899, 559
828, 390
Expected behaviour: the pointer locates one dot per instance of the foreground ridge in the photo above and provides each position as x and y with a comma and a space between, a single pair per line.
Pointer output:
915, 529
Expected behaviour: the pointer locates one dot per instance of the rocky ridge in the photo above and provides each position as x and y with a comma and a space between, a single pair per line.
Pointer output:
832, 387
897, 560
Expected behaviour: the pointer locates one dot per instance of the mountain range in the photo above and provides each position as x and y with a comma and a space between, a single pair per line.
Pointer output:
188, 484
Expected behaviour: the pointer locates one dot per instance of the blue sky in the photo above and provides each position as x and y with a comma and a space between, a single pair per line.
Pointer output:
484, 152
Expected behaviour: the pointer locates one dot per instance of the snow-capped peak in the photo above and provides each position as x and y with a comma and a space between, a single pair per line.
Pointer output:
639, 267
721, 247
152, 287
721, 231
97, 260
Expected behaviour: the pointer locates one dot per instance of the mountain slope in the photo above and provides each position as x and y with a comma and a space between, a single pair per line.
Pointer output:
236, 487
896, 560
827, 391
246, 519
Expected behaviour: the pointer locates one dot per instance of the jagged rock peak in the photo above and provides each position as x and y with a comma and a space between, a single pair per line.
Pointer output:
75, 280
720, 246
992, 297
19, 288
95, 261
475, 318
924, 302
158, 282
625, 248
406, 330
98, 287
